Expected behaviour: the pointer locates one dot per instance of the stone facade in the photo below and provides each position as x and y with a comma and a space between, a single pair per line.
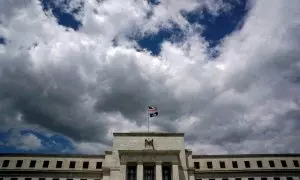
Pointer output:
147, 156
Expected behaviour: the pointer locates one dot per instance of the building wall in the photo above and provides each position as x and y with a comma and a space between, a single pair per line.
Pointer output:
52, 163
241, 163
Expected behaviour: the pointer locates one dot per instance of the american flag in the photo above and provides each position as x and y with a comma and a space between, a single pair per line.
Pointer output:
152, 111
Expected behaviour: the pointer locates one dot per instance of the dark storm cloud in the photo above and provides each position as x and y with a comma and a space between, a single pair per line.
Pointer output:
52, 101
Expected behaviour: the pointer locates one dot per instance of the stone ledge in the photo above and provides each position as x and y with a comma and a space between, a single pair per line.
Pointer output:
163, 134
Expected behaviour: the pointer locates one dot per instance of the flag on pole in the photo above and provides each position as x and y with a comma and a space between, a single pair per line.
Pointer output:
152, 111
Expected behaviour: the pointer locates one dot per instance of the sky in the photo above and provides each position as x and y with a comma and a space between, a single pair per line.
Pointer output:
224, 72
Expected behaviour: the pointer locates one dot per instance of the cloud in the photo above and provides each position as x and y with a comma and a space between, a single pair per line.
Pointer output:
83, 86
24, 141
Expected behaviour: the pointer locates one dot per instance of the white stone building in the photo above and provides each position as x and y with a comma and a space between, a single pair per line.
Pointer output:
149, 156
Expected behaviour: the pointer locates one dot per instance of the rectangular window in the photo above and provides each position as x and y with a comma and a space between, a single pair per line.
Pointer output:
13, 178
46, 164
271, 163
32, 163
85, 165
259, 164
197, 165
83, 179
209, 165
99, 165
5, 163
289, 178
222, 164
238, 178
264, 178
58, 164
296, 163
283, 163
131, 172
224, 178
42, 178
234, 164
72, 164
19, 163
69, 179
247, 164
211, 179
250, 178
276, 178
27, 178
55, 179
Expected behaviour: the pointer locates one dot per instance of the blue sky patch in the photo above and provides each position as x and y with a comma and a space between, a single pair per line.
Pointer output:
63, 18
2, 40
218, 27
50, 144
152, 42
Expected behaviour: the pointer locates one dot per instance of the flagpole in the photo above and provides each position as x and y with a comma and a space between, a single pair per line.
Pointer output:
148, 119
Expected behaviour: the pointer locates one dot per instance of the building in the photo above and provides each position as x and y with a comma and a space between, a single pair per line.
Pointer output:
149, 156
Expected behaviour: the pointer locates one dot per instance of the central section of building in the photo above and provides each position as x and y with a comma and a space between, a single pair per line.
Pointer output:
148, 156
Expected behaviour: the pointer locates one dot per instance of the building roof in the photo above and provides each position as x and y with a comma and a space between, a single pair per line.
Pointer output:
163, 134
51, 155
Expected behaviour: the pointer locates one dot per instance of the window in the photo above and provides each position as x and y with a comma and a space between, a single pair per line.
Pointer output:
72, 164
276, 178
69, 179
296, 163
224, 179
13, 178
272, 164
222, 164
250, 178
259, 164
209, 165
5, 163
85, 165
234, 164
27, 178
19, 163
289, 178
283, 163
99, 165
264, 178
55, 179
197, 165
131, 172
83, 179
32, 163
58, 164
42, 178
238, 178
45, 164
247, 164
211, 179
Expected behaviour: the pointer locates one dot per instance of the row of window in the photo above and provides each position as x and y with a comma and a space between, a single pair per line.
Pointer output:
59, 164
247, 164
252, 178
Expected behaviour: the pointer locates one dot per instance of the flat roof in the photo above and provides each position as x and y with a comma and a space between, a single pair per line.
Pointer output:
51, 155
102, 155
164, 134
246, 155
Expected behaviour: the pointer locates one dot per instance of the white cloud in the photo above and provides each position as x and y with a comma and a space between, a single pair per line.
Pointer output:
78, 84
27, 141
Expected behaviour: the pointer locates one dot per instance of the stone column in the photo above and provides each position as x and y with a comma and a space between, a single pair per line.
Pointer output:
123, 171
158, 171
175, 171
139, 171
